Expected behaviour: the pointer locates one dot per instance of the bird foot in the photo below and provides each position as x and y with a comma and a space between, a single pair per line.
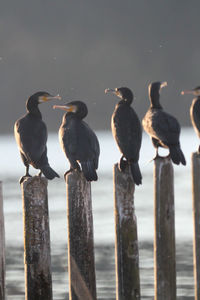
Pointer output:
154, 158
122, 164
39, 174
69, 171
23, 178
78, 169
198, 151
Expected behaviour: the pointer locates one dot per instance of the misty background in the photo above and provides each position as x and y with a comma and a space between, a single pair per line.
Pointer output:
79, 48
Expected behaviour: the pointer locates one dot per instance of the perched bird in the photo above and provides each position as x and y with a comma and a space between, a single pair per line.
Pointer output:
127, 131
163, 128
31, 136
195, 110
78, 141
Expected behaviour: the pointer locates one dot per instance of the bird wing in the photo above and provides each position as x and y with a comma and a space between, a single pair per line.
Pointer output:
163, 127
195, 115
31, 137
127, 132
92, 143
79, 142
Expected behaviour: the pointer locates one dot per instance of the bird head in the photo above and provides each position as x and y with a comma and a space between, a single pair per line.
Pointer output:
123, 93
156, 86
39, 97
78, 108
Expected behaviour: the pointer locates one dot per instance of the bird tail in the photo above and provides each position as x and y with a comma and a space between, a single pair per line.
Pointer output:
48, 172
89, 171
177, 155
135, 170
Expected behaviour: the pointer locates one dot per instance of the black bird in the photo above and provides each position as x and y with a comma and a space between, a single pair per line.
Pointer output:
195, 110
31, 136
163, 128
127, 131
78, 141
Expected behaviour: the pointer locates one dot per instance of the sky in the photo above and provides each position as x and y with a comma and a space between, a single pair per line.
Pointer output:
79, 48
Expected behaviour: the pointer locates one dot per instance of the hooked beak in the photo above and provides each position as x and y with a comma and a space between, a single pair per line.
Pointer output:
114, 91
68, 108
110, 90
163, 84
188, 92
49, 98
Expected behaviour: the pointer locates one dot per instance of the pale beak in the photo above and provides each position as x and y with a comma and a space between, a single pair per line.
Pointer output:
163, 84
50, 97
187, 92
110, 90
68, 108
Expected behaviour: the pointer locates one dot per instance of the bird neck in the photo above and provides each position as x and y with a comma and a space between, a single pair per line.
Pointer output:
67, 117
155, 100
125, 102
33, 109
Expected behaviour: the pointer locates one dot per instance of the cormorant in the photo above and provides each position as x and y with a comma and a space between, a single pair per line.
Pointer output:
127, 131
195, 110
78, 141
163, 128
31, 136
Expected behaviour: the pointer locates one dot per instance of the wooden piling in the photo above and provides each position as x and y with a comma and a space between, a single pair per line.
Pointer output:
82, 279
196, 220
164, 241
2, 247
37, 257
126, 241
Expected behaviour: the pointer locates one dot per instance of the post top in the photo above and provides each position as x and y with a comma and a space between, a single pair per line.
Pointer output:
35, 179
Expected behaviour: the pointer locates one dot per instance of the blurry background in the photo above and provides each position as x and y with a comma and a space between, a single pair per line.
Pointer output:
79, 48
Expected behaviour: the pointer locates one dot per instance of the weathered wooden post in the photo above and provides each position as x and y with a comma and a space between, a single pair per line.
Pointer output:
164, 241
37, 257
82, 279
196, 220
2, 248
126, 241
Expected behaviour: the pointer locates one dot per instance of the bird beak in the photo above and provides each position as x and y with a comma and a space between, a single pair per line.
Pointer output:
187, 92
163, 84
115, 92
109, 90
50, 97
68, 108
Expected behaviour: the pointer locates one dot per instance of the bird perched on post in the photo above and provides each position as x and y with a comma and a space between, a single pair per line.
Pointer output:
127, 131
195, 110
78, 141
31, 136
163, 128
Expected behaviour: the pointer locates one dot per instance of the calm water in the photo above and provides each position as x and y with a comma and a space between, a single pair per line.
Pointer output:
102, 194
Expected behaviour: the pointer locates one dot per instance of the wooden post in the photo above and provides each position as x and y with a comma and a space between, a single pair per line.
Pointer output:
126, 241
164, 241
82, 279
2, 248
196, 220
37, 257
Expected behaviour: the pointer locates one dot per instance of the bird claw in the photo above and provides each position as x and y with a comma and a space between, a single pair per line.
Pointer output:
122, 164
78, 169
69, 171
39, 174
23, 178
198, 151
158, 156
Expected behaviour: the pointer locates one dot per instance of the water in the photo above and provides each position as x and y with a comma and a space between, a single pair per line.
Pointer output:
102, 194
